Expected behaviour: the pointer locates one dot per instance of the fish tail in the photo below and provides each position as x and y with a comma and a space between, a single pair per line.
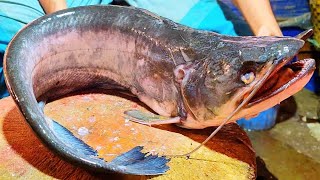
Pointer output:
131, 162
136, 162
72, 141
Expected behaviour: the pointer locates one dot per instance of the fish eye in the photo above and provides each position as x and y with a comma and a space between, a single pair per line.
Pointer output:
248, 77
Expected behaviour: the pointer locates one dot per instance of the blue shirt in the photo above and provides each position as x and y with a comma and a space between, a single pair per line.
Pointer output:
198, 14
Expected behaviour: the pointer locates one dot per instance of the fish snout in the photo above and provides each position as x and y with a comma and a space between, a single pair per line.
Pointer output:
286, 48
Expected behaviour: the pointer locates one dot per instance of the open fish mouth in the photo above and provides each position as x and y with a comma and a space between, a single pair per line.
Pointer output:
287, 79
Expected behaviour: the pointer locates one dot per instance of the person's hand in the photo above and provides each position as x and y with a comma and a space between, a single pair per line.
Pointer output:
269, 31
50, 6
259, 16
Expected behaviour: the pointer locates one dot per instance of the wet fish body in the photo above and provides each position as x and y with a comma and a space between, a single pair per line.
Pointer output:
177, 71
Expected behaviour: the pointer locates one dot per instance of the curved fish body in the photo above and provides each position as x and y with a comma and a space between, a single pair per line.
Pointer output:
198, 76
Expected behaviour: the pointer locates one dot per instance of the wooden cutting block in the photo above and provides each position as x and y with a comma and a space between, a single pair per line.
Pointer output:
98, 120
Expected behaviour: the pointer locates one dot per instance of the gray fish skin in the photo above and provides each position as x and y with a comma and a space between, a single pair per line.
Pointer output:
110, 47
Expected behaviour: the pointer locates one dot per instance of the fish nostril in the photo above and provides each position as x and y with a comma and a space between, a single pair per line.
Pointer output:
263, 58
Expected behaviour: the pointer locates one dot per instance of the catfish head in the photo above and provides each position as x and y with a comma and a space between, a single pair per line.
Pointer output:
213, 87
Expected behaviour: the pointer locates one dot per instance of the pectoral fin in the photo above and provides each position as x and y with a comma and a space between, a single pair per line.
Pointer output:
149, 118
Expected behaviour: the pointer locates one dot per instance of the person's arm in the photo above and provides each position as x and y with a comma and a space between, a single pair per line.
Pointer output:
259, 16
50, 6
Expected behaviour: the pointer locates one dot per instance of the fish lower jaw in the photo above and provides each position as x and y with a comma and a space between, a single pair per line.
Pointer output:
287, 82
256, 108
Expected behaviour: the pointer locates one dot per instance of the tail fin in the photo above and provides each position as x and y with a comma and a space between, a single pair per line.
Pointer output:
131, 162
134, 160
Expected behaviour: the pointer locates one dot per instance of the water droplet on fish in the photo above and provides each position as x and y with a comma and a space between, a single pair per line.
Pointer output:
83, 131
123, 168
220, 45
